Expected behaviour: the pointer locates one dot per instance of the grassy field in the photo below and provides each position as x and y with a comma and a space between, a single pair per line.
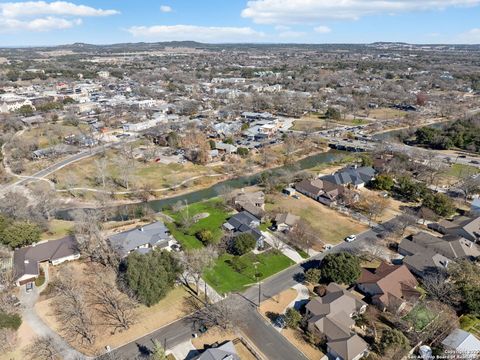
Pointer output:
460, 170
217, 216
224, 278
309, 123
386, 113
144, 174
330, 226
420, 317
57, 229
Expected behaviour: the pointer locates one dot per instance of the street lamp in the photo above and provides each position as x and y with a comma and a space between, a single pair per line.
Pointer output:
257, 278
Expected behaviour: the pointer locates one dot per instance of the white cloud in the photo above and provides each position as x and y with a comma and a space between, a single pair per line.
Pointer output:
38, 24
45, 16
196, 33
311, 11
282, 28
472, 36
322, 29
166, 8
36, 8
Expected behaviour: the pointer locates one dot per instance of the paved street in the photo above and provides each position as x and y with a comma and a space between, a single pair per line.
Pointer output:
264, 336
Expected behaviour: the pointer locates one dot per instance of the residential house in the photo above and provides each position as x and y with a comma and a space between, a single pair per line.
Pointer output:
26, 260
245, 222
331, 315
321, 190
463, 344
253, 202
142, 239
226, 148
425, 253
352, 176
224, 352
466, 227
391, 287
286, 221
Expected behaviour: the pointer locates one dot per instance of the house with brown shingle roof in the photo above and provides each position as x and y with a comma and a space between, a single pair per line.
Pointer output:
331, 315
391, 287
26, 260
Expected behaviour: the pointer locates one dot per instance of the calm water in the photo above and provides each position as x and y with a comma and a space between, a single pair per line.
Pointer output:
213, 191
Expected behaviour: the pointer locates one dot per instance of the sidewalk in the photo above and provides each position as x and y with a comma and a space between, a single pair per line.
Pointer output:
285, 249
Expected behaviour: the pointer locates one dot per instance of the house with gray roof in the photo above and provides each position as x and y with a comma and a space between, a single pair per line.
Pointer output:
463, 344
352, 176
331, 315
224, 352
142, 239
425, 253
466, 227
245, 222
26, 260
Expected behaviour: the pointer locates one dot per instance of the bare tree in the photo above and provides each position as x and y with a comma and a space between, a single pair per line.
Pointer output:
101, 169
8, 340
42, 348
115, 308
372, 205
72, 311
302, 235
440, 289
91, 242
196, 261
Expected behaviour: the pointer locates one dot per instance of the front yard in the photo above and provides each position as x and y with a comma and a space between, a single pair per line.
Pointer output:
232, 273
331, 226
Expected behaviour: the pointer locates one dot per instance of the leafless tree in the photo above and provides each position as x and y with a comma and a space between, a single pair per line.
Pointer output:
225, 314
72, 311
372, 205
116, 309
101, 171
42, 348
196, 261
439, 288
91, 242
302, 235
8, 340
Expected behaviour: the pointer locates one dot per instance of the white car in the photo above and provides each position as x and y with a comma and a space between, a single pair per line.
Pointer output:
351, 238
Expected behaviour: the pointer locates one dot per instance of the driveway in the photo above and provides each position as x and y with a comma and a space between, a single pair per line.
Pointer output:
285, 249
30, 316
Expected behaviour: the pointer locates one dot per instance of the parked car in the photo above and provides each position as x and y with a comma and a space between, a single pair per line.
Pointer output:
328, 246
29, 287
351, 238
280, 321
176, 247
296, 197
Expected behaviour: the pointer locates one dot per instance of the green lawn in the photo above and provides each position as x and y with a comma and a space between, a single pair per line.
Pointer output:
420, 317
217, 216
461, 170
471, 324
225, 278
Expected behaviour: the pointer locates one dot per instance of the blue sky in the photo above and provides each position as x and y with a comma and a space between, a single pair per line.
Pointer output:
25, 23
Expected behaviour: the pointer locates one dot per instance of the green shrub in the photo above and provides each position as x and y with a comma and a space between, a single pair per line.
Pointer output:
10, 321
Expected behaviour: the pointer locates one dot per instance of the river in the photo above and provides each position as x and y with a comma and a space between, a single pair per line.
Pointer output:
213, 191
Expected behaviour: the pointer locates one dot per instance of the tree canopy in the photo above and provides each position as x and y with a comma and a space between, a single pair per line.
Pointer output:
342, 268
152, 275
243, 243
18, 233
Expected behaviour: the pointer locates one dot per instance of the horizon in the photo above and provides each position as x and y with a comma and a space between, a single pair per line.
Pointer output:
55, 23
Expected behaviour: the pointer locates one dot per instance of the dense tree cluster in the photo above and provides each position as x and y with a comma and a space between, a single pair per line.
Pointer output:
462, 134
342, 268
152, 275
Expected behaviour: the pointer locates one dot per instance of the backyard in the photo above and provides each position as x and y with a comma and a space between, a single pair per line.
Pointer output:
420, 317
208, 215
232, 273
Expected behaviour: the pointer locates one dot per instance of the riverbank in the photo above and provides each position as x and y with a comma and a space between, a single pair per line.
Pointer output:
186, 194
